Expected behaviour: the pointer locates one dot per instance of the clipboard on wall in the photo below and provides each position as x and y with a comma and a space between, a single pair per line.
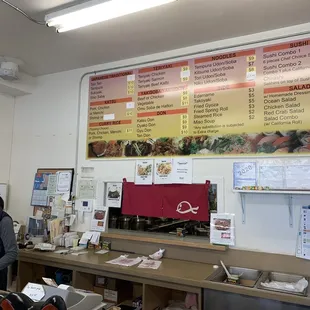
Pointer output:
39, 196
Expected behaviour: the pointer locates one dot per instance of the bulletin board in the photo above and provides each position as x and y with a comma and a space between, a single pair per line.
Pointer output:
40, 184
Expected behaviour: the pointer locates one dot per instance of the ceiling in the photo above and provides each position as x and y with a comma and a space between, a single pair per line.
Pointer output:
179, 24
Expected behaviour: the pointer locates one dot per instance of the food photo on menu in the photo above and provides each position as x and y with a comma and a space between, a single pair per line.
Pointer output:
273, 142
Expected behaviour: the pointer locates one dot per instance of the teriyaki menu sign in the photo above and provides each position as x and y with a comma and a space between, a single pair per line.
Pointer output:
253, 101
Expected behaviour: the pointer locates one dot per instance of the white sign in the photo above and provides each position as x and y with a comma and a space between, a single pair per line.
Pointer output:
99, 219
305, 232
144, 172
182, 172
114, 195
244, 174
64, 181
222, 228
87, 189
163, 171
34, 291
52, 185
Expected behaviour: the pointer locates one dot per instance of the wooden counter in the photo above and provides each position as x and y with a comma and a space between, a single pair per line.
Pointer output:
172, 274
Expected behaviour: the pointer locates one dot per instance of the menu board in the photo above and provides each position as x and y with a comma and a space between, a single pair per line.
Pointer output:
243, 102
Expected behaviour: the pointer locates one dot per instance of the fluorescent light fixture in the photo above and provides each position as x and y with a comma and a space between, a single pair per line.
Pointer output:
96, 11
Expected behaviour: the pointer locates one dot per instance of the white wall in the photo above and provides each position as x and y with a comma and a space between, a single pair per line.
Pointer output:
45, 135
6, 128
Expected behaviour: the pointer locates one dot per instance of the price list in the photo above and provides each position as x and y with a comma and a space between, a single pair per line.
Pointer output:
220, 108
111, 106
254, 99
162, 101
286, 71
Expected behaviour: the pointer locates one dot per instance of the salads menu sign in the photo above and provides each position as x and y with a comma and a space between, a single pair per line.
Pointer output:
254, 101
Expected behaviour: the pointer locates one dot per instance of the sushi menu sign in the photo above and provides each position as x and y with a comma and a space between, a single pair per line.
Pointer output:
252, 101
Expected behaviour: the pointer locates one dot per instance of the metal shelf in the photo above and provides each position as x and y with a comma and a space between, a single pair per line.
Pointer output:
289, 195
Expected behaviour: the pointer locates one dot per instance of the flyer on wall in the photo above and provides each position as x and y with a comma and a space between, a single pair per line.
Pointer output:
87, 189
144, 172
114, 195
245, 174
182, 171
222, 228
99, 219
163, 171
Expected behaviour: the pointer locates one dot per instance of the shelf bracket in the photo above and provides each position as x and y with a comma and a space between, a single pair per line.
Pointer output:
290, 210
242, 195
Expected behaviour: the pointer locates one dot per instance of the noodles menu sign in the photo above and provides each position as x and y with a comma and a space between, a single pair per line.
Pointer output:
254, 101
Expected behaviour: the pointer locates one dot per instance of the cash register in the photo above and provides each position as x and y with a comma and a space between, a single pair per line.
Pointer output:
73, 298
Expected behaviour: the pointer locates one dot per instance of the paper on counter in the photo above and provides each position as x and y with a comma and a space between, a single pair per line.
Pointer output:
102, 252
150, 264
86, 237
123, 260
95, 238
144, 172
79, 253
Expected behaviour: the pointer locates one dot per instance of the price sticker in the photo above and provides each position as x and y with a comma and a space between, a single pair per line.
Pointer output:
251, 76
185, 79
129, 130
130, 90
129, 113
251, 58
184, 132
185, 93
184, 116
131, 77
251, 69
184, 126
184, 103
184, 121
131, 83
185, 68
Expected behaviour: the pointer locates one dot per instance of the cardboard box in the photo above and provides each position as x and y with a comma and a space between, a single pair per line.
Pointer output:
99, 290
